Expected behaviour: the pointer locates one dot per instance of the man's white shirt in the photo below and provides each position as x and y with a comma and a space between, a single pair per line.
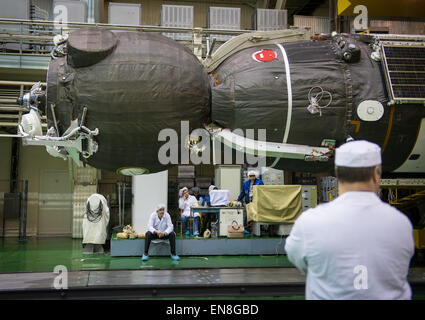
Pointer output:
355, 247
164, 225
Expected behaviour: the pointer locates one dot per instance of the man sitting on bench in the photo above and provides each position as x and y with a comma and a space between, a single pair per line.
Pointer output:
160, 227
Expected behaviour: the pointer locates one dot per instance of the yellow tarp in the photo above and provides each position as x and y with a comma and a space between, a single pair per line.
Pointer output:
280, 204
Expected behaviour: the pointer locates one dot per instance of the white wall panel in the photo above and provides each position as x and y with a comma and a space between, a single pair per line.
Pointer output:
149, 190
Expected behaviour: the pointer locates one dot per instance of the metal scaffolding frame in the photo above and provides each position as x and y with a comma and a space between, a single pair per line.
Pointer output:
23, 212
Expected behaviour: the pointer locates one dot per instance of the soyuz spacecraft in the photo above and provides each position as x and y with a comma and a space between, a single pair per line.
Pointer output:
108, 96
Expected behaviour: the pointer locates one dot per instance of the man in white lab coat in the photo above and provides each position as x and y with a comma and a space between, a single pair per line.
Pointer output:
355, 247
160, 228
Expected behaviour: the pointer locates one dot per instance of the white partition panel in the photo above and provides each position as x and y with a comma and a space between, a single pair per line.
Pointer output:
148, 191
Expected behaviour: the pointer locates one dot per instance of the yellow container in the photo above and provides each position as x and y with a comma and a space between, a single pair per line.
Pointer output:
419, 236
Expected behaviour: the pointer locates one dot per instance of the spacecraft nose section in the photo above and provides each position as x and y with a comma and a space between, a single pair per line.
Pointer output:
34, 99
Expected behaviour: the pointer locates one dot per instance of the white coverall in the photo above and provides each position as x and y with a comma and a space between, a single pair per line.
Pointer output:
185, 205
355, 247
164, 225
95, 232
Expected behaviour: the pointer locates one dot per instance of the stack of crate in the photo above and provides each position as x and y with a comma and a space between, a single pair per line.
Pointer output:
203, 183
186, 177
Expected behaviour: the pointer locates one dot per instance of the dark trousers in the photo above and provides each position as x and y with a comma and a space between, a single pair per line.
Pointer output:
152, 236
245, 218
245, 214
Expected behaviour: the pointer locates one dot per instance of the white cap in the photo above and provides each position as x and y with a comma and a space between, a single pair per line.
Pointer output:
358, 154
160, 206
182, 190
252, 173
211, 188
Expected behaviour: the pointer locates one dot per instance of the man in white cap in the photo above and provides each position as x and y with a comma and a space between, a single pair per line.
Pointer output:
187, 201
247, 191
160, 227
355, 247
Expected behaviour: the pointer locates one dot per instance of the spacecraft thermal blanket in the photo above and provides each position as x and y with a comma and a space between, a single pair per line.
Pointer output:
273, 95
134, 84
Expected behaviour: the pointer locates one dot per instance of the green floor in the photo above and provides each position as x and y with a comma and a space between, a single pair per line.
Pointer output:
43, 254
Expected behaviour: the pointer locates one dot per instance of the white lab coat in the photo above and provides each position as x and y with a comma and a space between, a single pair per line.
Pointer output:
185, 205
95, 233
355, 247
164, 225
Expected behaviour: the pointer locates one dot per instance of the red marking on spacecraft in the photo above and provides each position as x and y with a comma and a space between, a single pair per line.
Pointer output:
264, 56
